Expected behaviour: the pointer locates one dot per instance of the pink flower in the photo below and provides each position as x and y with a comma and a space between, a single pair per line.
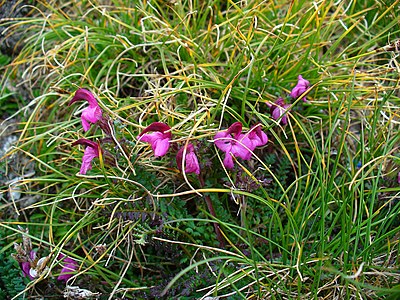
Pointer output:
279, 109
91, 114
233, 142
92, 150
301, 86
158, 139
254, 138
26, 265
398, 178
191, 161
69, 267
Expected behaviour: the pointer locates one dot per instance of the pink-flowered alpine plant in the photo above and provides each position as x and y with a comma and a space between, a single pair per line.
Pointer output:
26, 265
233, 142
254, 138
191, 161
31, 266
301, 86
92, 151
158, 138
69, 266
279, 110
92, 113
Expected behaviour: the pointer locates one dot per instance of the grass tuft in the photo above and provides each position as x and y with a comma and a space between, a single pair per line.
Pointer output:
313, 213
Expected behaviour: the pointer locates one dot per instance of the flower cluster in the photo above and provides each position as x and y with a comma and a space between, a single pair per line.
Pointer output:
91, 114
279, 109
233, 142
159, 140
32, 266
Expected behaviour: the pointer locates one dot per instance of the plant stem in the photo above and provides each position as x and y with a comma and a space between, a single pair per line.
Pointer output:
210, 207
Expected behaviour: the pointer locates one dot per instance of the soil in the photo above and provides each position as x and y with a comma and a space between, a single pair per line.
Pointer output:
10, 44
14, 166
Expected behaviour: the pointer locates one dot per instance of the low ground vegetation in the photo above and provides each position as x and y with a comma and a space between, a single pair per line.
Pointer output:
197, 149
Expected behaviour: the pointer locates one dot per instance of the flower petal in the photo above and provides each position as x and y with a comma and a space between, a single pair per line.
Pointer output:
83, 94
262, 139
89, 154
223, 140
25, 267
160, 147
228, 161
150, 138
241, 151
92, 114
159, 142
191, 161
85, 124
158, 127
70, 266
279, 110
301, 86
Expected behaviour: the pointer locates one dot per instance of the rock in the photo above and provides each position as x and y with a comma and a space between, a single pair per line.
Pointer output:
10, 44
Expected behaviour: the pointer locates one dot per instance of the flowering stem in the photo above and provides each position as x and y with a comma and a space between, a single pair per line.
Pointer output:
210, 207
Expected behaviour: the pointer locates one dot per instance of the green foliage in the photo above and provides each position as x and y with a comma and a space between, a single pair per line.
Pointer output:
4, 60
11, 281
308, 211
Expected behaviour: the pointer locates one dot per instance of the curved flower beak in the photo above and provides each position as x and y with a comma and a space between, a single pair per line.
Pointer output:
92, 151
84, 95
301, 86
159, 127
158, 139
91, 114
191, 161
279, 110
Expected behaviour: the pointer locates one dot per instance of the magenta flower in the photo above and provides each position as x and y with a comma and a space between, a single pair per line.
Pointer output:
279, 109
191, 161
254, 138
92, 150
91, 114
233, 142
26, 265
158, 139
69, 266
301, 86
398, 178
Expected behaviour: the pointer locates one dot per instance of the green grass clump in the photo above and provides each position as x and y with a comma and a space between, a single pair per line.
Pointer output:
313, 214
